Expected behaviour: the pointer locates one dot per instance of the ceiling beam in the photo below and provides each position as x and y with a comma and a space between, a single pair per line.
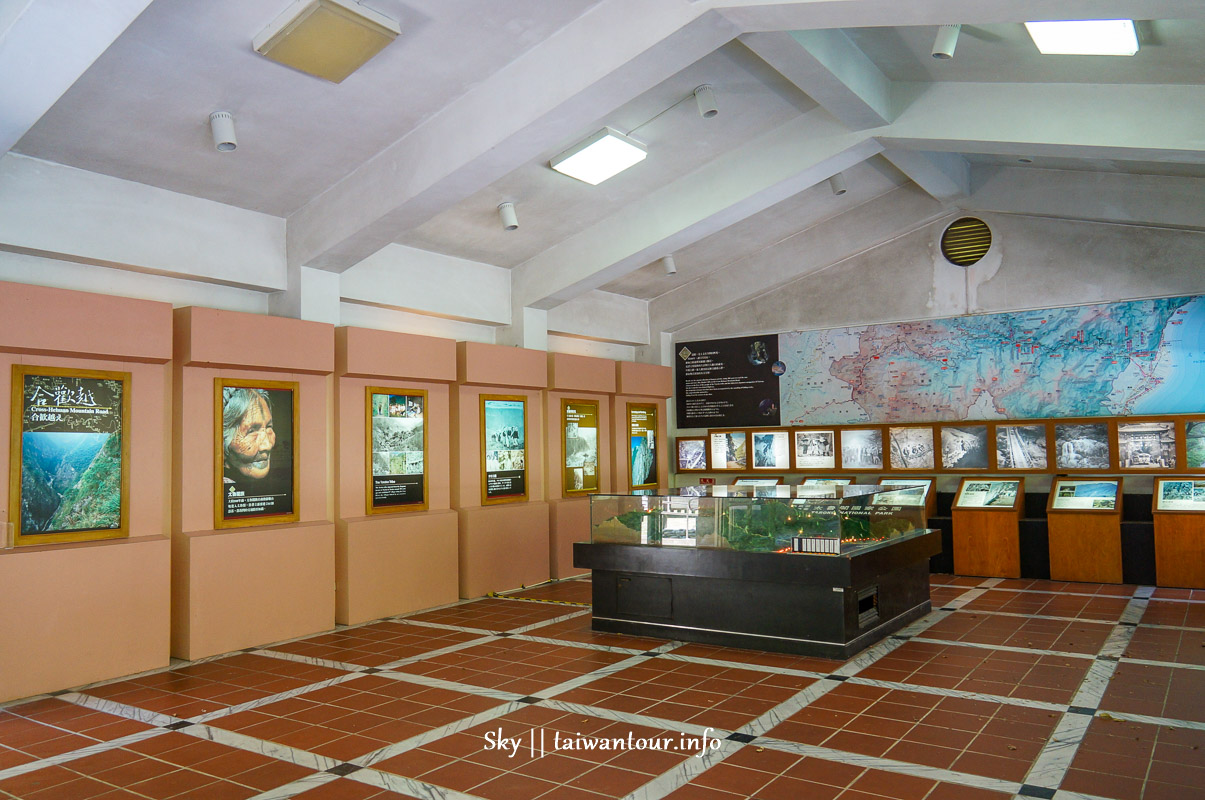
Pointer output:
830, 69
869, 225
738, 184
556, 91
1150, 200
44, 48
945, 176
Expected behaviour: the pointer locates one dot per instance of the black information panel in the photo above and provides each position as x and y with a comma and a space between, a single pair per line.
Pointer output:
725, 383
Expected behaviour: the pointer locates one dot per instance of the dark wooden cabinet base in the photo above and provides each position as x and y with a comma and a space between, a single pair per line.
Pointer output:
826, 606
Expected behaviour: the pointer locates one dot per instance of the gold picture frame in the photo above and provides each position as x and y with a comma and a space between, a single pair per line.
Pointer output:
65, 405
404, 482
503, 483
646, 450
570, 474
231, 485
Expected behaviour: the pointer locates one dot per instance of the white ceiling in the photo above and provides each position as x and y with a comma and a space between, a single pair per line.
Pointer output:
465, 108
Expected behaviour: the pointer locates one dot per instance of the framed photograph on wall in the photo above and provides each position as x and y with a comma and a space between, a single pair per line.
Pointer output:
579, 422
69, 471
1021, 447
1194, 444
692, 453
728, 450
503, 448
1081, 446
862, 448
256, 434
815, 449
642, 445
397, 450
911, 447
1149, 444
964, 447
771, 449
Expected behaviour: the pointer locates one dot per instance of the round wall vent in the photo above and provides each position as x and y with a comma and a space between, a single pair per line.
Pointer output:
966, 241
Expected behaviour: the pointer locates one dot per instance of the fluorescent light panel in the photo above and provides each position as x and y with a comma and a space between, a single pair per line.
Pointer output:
1092, 37
329, 39
599, 157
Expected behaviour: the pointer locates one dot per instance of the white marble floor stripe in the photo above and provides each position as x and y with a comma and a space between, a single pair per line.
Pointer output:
117, 709
554, 621
993, 613
1171, 664
788, 708
443, 651
965, 597
299, 786
689, 728
958, 693
1168, 627
83, 752
891, 765
397, 748
313, 661
590, 677
1063, 794
452, 686
1006, 648
1092, 688
410, 787
602, 648
1134, 611
443, 626
752, 667
240, 741
1052, 763
1163, 722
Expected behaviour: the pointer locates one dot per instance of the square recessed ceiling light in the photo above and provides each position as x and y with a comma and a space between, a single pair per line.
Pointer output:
1090, 37
599, 157
329, 39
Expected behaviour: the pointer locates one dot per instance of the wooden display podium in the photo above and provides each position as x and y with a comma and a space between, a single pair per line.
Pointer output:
1084, 522
987, 518
1179, 532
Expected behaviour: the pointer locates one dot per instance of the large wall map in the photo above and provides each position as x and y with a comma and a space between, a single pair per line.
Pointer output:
1141, 357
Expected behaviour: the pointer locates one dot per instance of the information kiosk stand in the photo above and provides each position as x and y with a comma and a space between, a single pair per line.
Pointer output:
1084, 521
987, 518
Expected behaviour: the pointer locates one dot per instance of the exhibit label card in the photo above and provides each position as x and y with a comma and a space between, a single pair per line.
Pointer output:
988, 494
69, 468
1181, 496
1092, 495
728, 450
772, 450
642, 443
398, 449
256, 435
504, 430
580, 420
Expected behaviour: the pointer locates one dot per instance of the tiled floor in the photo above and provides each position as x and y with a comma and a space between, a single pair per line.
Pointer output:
1008, 689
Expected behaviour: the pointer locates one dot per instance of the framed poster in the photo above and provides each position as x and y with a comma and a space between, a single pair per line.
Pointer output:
911, 447
862, 448
1081, 446
728, 450
255, 482
815, 449
988, 494
579, 421
1087, 495
771, 449
642, 444
69, 468
1147, 445
503, 448
397, 450
964, 447
1179, 494
1021, 447
692, 454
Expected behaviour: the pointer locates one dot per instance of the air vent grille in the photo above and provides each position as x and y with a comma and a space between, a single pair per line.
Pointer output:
966, 241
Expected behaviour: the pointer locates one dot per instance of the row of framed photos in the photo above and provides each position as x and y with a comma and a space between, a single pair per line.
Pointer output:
1130, 444
70, 452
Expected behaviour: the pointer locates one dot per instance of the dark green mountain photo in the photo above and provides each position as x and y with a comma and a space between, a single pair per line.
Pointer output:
70, 481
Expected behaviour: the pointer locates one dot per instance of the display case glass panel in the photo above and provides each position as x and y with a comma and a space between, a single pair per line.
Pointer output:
579, 421
254, 462
911, 447
1081, 445
987, 494
827, 481
1084, 495
692, 454
757, 481
1180, 494
912, 492
397, 449
862, 448
849, 522
728, 450
1021, 447
1147, 445
771, 450
504, 448
964, 447
642, 444
1194, 444
69, 472
815, 449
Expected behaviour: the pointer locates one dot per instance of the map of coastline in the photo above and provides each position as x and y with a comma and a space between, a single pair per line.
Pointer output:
1115, 359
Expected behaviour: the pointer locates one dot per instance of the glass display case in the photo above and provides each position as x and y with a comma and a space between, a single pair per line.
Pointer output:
790, 519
